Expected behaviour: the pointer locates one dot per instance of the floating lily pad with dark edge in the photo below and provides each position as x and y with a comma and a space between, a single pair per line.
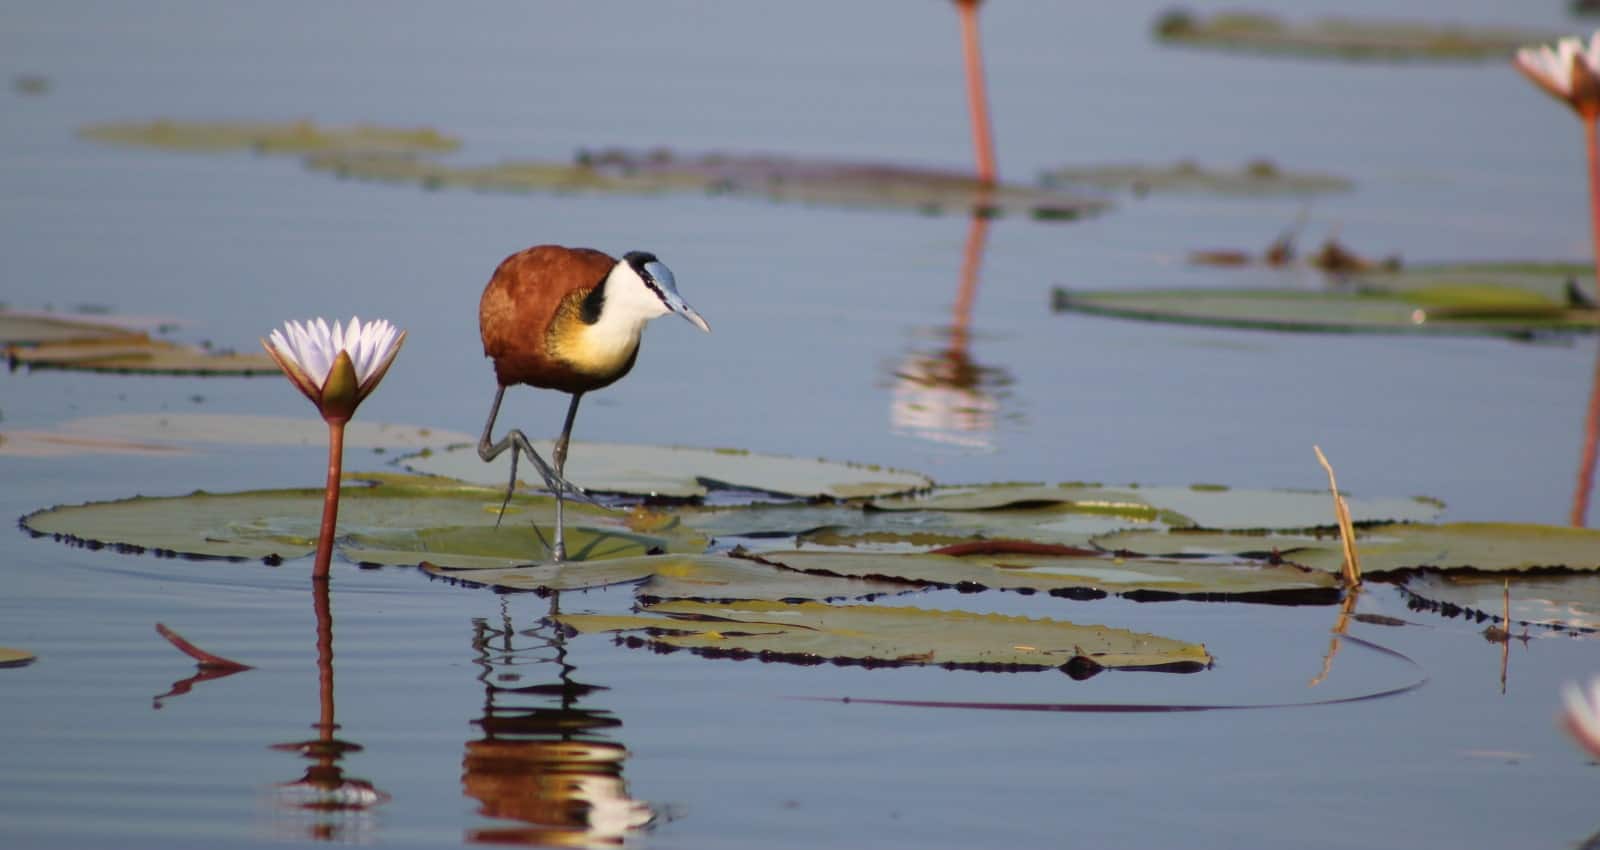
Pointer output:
10, 657
822, 183
1004, 565
1486, 300
1387, 550
1257, 178
46, 341
681, 473
1564, 603
1343, 38
711, 577
858, 635
383, 519
281, 137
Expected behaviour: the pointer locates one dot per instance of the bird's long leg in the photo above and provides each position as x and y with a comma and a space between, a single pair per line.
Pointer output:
517, 443
560, 456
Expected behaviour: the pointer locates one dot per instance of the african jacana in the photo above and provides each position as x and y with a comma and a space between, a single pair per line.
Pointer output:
567, 319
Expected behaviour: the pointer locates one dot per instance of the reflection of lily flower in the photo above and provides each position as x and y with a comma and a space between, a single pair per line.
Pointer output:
944, 399
1581, 715
336, 368
1568, 71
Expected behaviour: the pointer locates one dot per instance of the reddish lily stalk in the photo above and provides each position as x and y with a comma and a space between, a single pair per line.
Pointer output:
977, 98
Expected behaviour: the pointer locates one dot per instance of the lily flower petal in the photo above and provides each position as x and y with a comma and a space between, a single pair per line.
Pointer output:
308, 352
1569, 71
1581, 715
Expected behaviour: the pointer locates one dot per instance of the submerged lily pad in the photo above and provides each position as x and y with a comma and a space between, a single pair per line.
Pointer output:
928, 191
1489, 299
1388, 549
1259, 177
675, 472
10, 657
390, 520
240, 429
1343, 38
286, 137
813, 633
1146, 579
703, 577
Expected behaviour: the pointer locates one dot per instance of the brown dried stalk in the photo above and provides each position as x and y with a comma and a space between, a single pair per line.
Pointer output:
1347, 532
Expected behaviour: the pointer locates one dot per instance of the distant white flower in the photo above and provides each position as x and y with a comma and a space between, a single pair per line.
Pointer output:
1569, 71
1581, 714
335, 367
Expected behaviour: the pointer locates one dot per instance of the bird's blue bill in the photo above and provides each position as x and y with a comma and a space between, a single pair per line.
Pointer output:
662, 276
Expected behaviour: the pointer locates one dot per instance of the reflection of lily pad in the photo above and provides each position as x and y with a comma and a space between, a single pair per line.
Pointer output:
235, 429
1388, 548
1342, 38
813, 633
1260, 177
676, 472
15, 657
779, 179
1146, 579
1567, 602
1427, 300
703, 577
287, 137
392, 520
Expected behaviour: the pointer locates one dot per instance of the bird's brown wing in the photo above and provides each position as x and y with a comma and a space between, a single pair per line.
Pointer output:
523, 296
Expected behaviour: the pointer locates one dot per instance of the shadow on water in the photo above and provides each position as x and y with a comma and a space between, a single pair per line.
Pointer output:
544, 759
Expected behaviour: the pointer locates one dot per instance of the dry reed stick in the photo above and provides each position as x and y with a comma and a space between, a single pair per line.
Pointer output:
1347, 532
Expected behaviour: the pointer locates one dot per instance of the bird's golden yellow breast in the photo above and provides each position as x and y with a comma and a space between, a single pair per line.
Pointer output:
600, 352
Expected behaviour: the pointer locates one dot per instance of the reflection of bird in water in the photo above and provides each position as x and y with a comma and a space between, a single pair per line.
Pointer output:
567, 319
542, 759
947, 397
337, 804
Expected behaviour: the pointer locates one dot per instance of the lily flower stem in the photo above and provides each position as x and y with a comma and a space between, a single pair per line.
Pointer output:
1592, 143
330, 502
977, 98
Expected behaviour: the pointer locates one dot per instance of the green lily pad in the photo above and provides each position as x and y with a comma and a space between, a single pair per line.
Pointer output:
29, 328
703, 577
1569, 603
1260, 177
238, 429
281, 137
1388, 549
1204, 506
1343, 38
811, 633
1409, 307
138, 356
10, 657
390, 520
775, 178
1145, 579
676, 472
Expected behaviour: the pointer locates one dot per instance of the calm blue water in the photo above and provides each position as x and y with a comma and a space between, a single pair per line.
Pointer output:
814, 310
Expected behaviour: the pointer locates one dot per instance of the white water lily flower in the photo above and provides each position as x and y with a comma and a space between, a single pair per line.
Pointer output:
335, 367
1569, 71
1581, 714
